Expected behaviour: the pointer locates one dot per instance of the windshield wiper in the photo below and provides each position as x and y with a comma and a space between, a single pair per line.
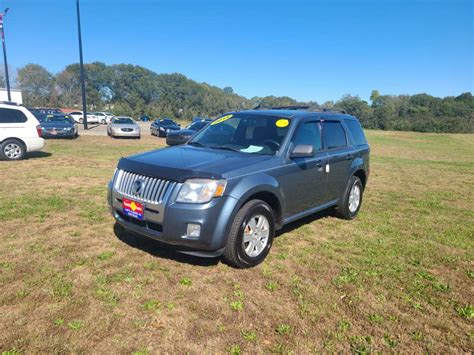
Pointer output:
224, 147
196, 144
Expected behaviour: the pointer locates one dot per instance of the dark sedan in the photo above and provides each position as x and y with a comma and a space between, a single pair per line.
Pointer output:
182, 136
59, 126
161, 126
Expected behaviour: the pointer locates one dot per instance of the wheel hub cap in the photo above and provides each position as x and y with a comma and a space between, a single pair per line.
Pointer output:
256, 235
12, 151
354, 198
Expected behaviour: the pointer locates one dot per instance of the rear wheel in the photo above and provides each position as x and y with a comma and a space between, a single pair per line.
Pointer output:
12, 149
251, 235
350, 203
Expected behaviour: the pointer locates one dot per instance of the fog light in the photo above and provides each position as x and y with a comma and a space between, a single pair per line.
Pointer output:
193, 230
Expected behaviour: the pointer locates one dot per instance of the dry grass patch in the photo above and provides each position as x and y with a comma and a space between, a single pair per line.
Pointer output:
399, 278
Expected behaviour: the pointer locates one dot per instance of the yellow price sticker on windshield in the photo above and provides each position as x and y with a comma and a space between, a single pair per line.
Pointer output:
222, 119
282, 123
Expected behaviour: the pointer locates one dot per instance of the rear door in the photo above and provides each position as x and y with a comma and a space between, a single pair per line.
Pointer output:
340, 157
304, 180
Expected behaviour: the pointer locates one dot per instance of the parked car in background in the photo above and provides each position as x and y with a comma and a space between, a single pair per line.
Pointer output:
59, 126
78, 116
183, 135
104, 117
123, 127
242, 178
161, 126
20, 132
40, 116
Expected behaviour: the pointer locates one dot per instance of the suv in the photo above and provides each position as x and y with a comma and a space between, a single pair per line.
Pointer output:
244, 176
20, 132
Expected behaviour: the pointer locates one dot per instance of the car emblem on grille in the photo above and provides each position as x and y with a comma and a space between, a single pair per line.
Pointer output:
138, 187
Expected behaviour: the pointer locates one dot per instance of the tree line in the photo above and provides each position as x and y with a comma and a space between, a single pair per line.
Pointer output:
132, 90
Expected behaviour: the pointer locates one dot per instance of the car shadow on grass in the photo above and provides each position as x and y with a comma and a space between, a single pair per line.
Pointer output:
160, 250
36, 155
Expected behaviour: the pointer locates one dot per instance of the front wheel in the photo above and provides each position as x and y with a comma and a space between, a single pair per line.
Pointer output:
251, 235
350, 203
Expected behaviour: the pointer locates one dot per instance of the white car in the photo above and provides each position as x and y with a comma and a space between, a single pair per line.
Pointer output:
78, 116
104, 117
20, 132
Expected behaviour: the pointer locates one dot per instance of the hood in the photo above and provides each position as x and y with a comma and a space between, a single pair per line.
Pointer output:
182, 132
124, 125
183, 162
57, 124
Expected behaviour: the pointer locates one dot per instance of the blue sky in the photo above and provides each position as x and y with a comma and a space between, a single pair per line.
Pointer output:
310, 50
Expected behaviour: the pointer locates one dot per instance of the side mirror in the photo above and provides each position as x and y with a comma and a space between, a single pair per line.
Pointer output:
302, 151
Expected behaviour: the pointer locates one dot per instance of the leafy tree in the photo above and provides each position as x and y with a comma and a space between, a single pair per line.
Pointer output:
36, 83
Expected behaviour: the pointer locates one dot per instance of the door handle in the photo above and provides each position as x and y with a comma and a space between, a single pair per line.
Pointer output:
349, 156
319, 163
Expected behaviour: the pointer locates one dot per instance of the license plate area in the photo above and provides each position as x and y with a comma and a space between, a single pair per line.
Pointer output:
133, 209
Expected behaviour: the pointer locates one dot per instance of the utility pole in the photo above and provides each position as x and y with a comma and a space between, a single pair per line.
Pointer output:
81, 64
7, 78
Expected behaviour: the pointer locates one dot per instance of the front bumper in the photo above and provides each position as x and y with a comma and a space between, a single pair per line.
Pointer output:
58, 134
168, 222
119, 133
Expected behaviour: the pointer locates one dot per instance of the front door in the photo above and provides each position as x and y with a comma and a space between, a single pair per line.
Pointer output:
304, 179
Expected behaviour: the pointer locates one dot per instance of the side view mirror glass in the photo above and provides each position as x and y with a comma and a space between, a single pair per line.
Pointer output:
302, 151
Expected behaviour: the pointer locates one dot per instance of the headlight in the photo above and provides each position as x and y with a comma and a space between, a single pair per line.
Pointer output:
200, 190
162, 129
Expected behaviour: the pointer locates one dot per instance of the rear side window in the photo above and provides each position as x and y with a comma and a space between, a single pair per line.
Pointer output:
356, 132
334, 135
12, 116
308, 133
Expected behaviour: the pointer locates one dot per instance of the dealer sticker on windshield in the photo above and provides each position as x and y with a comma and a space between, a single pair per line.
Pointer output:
282, 123
222, 119
132, 209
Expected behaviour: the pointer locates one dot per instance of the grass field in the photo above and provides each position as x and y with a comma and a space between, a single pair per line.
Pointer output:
399, 278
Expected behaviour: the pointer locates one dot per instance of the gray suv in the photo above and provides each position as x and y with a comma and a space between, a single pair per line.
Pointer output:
244, 176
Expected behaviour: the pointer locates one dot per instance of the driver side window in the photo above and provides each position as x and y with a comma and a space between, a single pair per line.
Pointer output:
309, 133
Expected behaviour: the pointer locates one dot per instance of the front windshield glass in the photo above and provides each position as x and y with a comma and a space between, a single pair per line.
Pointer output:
196, 126
60, 119
246, 133
123, 120
166, 121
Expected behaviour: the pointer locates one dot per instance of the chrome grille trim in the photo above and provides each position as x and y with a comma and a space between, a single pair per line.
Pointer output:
154, 190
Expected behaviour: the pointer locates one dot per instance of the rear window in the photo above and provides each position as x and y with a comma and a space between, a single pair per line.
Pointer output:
12, 116
334, 135
356, 132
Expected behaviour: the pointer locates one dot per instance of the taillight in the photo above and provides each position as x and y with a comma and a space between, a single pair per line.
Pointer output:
39, 130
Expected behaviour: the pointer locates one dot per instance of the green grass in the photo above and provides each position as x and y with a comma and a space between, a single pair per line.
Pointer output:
399, 278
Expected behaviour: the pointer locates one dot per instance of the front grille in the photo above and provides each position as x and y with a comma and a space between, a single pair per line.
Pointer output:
127, 129
153, 190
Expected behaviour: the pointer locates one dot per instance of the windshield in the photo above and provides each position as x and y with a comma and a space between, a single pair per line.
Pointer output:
167, 122
123, 120
196, 126
61, 119
246, 133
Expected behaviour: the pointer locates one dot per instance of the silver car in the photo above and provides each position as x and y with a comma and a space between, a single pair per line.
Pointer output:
123, 127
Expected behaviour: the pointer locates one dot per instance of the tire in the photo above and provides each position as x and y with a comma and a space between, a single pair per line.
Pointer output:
12, 149
81, 120
237, 253
344, 209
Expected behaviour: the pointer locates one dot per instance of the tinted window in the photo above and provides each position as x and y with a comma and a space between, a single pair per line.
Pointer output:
196, 126
11, 116
334, 135
309, 133
123, 120
356, 132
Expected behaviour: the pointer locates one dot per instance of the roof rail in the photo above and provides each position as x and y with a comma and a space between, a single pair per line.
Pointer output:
289, 107
334, 110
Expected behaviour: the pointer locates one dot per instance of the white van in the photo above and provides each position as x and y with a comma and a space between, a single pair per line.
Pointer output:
20, 132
